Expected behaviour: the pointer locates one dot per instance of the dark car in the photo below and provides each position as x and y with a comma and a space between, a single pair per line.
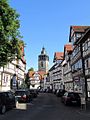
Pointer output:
60, 92
71, 98
7, 101
22, 95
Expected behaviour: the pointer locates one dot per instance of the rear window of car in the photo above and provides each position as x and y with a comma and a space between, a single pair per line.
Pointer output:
74, 95
19, 92
66, 94
31, 90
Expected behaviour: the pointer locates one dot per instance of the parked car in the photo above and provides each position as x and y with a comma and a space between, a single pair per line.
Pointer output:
60, 92
22, 95
71, 98
7, 101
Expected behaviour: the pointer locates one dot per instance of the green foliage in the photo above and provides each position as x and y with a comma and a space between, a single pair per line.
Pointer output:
27, 80
31, 69
9, 33
23, 85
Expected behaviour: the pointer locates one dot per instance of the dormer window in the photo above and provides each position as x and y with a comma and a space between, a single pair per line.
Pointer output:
75, 37
78, 35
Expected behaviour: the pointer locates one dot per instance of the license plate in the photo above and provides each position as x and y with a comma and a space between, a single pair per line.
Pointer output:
74, 101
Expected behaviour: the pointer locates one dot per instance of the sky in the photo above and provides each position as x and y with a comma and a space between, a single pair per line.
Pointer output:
47, 23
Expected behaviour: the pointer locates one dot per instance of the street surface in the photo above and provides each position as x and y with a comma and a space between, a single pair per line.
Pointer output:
45, 107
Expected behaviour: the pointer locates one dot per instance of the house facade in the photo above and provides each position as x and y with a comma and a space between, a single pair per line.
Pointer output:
18, 67
66, 67
55, 72
7, 72
79, 37
36, 79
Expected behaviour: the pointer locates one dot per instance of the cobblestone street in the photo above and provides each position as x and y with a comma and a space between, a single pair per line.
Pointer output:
45, 107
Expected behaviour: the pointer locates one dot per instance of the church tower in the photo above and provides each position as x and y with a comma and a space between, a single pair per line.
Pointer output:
43, 61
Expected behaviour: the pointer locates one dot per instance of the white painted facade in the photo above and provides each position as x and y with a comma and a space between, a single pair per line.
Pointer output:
9, 70
35, 81
46, 83
55, 74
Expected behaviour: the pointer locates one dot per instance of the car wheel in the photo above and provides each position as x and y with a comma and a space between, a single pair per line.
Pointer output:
3, 109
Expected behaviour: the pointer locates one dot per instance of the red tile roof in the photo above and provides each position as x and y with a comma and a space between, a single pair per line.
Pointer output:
68, 47
80, 28
77, 29
58, 56
41, 73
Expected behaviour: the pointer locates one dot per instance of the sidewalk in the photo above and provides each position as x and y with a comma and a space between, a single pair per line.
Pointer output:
88, 106
85, 111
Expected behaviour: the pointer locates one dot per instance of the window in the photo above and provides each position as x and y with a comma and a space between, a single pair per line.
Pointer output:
88, 42
78, 35
80, 63
87, 63
85, 46
41, 64
76, 50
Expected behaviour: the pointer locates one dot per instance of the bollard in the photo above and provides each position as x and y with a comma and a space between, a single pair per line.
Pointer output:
83, 103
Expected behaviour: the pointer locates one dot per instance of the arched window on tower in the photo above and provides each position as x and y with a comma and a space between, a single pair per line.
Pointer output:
41, 64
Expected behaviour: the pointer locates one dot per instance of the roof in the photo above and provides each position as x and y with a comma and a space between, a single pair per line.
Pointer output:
58, 56
85, 36
68, 47
80, 28
41, 73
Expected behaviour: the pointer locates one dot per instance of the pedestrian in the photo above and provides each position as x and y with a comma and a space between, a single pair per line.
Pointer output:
14, 82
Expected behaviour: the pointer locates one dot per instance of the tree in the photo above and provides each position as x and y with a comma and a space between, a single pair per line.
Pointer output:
31, 69
9, 33
27, 80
